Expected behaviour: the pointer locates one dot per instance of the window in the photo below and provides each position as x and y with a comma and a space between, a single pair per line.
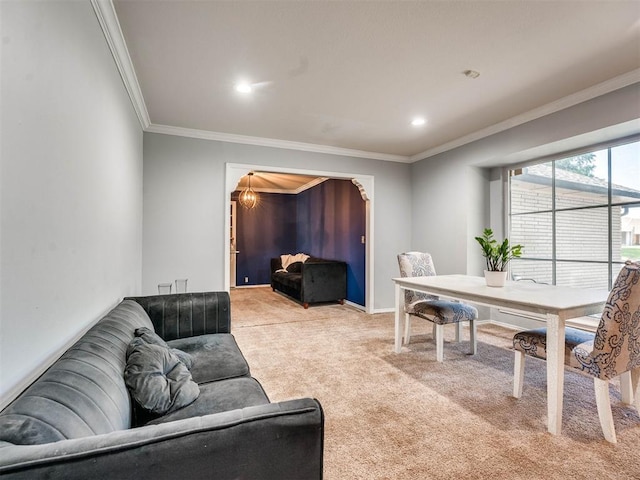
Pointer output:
577, 217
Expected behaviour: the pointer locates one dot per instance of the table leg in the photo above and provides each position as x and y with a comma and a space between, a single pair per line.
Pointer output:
555, 372
398, 318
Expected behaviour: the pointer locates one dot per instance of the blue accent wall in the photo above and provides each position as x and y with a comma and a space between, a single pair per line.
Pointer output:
264, 232
326, 221
331, 223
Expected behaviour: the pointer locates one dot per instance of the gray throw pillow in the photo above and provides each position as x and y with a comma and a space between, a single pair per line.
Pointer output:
151, 337
157, 379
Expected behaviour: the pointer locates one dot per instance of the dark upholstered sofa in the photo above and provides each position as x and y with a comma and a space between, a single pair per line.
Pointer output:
314, 281
78, 420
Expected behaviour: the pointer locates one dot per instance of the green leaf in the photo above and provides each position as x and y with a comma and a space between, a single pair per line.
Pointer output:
497, 255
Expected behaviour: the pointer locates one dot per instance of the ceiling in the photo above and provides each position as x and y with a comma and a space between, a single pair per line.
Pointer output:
348, 76
271, 182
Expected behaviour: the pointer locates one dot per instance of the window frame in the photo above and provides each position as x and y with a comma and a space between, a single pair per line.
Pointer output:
554, 260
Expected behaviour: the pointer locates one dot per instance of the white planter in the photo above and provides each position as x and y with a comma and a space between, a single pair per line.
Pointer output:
495, 279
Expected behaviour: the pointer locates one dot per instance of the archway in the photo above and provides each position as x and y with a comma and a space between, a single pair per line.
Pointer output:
233, 174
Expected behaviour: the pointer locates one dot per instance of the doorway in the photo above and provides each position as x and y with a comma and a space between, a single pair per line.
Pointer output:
233, 236
364, 183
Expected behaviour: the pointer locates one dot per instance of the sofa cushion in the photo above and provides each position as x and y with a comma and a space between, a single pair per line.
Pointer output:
222, 396
153, 338
215, 357
158, 380
291, 280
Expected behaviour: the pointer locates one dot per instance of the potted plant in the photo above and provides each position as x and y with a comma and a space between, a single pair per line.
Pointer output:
497, 256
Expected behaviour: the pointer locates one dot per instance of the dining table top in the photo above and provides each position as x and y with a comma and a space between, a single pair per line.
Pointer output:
567, 302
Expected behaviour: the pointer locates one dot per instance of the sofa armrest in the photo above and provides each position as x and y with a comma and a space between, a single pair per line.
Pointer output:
183, 315
324, 281
275, 264
273, 441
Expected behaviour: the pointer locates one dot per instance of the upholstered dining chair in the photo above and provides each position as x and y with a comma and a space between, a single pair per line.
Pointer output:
431, 308
612, 351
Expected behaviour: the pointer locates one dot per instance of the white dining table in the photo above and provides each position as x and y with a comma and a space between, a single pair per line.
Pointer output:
550, 303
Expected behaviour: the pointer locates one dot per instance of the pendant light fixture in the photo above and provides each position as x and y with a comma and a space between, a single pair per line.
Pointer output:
248, 198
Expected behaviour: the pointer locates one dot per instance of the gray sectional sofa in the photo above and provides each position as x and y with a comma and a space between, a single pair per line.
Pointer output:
79, 421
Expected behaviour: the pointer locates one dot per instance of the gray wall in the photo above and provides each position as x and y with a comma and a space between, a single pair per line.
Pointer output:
184, 205
71, 184
451, 200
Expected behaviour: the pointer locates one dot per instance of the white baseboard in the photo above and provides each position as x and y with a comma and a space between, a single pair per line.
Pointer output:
500, 324
355, 305
384, 310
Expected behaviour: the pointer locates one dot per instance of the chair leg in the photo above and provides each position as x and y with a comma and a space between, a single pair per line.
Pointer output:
439, 342
635, 386
433, 331
407, 328
458, 331
518, 373
473, 338
626, 388
604, 409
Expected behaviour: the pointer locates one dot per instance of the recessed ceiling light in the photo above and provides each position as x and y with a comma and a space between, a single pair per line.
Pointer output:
243, 87
416, 122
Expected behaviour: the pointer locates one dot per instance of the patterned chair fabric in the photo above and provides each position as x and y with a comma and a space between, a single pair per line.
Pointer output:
614, 348
416, 264
430, 307
423, 305
442, 312
612, 351
534, 343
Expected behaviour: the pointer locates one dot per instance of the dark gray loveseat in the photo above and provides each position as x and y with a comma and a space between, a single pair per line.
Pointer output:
77, 421
314, 281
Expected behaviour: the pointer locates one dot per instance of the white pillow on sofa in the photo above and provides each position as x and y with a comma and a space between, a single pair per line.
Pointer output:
287, 260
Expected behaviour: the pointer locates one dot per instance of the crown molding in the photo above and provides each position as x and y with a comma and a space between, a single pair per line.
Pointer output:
590, 93
294, 191
108, 19
312, 183
272, 142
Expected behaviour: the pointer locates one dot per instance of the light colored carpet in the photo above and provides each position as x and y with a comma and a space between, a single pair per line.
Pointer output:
404, 416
